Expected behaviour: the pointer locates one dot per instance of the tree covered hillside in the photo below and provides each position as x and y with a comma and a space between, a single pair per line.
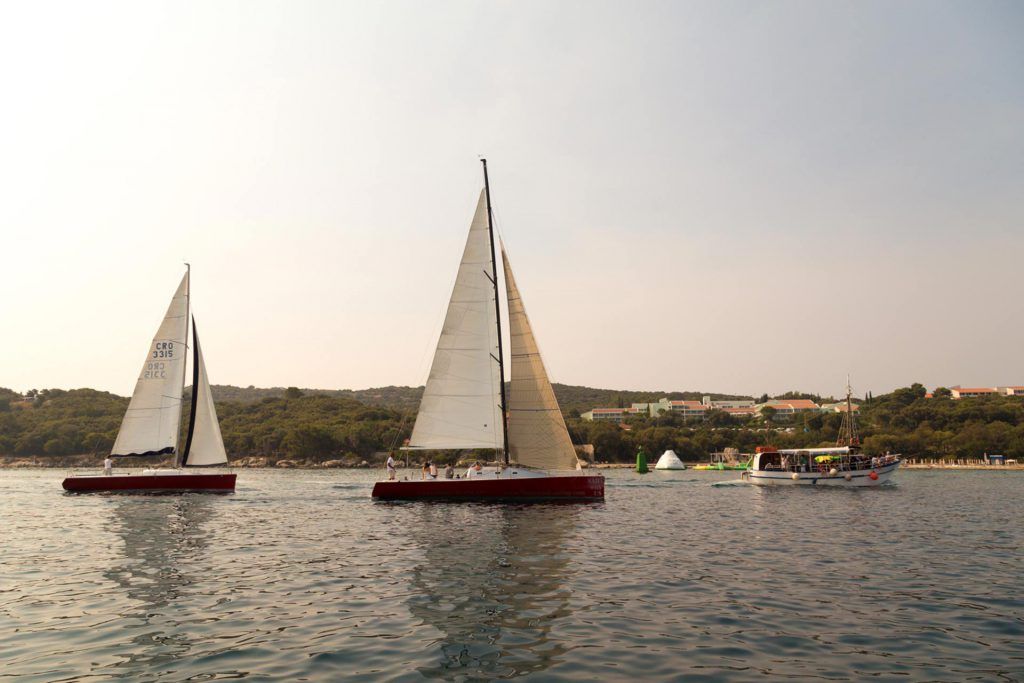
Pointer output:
320, 425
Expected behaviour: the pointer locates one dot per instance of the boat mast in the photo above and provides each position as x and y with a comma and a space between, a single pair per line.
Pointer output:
184, 360
848, 430
497, 314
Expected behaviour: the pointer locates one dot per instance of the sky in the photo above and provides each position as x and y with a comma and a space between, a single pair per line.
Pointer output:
720, 196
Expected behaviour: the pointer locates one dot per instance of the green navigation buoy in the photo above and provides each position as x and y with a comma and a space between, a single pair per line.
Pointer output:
641, 461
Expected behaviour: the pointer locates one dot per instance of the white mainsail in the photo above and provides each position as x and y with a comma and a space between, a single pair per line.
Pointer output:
150, 425
205, 445
461, 401
537, 436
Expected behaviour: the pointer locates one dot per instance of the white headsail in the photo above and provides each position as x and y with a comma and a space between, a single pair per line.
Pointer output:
150, 425
204, 444
460, 406
537, 436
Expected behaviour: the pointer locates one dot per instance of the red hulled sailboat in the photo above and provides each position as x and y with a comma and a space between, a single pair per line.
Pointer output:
151, 423
465, 404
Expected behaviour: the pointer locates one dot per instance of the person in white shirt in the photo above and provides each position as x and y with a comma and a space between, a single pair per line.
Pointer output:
108, 466
391, 467
474, 470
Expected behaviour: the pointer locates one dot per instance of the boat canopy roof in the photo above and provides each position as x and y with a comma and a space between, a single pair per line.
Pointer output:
842, 450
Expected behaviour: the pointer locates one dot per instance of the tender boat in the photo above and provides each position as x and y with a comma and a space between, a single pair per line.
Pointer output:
843, 465
465, 405
151, 423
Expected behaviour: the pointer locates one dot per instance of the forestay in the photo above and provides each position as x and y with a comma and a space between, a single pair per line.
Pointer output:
536, 431
204, 444
150, 425
461, 405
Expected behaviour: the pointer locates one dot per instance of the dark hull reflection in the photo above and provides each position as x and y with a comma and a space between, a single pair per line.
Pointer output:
162, 535
493, 582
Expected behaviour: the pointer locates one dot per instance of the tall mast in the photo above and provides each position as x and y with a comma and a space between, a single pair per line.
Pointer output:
184, 362
848, 429
497, 314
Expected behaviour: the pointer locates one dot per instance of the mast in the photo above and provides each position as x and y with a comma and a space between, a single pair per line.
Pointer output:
188, 295
497, 314
848, 429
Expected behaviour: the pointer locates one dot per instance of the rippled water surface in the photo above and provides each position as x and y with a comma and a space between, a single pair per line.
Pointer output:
300, 576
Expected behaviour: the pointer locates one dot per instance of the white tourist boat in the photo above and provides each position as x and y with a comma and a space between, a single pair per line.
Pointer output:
843, 465
465, 405
151, 424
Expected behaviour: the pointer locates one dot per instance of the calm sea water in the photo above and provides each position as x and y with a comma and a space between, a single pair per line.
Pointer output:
300, 576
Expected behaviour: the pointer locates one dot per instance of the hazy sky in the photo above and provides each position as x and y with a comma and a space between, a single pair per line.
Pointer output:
729, 196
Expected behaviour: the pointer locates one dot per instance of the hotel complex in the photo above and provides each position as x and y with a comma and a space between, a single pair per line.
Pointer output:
700, 409
745, 409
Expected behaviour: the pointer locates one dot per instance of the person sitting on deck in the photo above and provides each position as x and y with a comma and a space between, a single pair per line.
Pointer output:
108, 466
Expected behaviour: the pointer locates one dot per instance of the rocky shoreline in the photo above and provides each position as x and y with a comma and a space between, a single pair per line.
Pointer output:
263, 462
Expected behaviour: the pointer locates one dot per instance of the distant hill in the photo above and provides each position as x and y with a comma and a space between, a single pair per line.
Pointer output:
570, 397
315, 424
396, 398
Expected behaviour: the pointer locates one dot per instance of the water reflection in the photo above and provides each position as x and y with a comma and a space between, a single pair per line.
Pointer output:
493, 581
162, 537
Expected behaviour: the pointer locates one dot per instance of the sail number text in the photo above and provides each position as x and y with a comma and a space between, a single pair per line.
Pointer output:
157, 369
154, 370
163, 350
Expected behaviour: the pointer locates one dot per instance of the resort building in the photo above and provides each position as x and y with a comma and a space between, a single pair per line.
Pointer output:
688, 409
961, 392
616, 415
604, 415
789, 406
1010, 391
839, 407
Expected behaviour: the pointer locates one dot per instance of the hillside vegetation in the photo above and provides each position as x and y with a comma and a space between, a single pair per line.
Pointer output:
320, 424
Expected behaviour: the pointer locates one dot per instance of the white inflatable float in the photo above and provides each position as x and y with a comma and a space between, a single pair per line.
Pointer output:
669, 461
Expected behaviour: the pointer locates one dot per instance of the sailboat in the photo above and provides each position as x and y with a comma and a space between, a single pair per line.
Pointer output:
465, 404
151, 423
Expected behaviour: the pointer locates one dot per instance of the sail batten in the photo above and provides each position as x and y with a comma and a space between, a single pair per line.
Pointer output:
536, 431
150, 424
460, 407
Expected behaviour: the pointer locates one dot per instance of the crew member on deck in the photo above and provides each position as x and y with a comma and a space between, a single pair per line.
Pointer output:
432, 469
108, 466
449, 472
474, 470
391, 467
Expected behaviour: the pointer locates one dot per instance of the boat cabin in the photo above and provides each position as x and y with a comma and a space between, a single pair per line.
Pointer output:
768, 459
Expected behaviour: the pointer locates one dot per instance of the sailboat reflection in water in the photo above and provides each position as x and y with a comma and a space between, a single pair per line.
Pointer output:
495, 589
164, 547
465, 405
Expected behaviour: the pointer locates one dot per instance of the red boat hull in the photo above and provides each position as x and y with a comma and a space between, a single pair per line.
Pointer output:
152, 482
573, 488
